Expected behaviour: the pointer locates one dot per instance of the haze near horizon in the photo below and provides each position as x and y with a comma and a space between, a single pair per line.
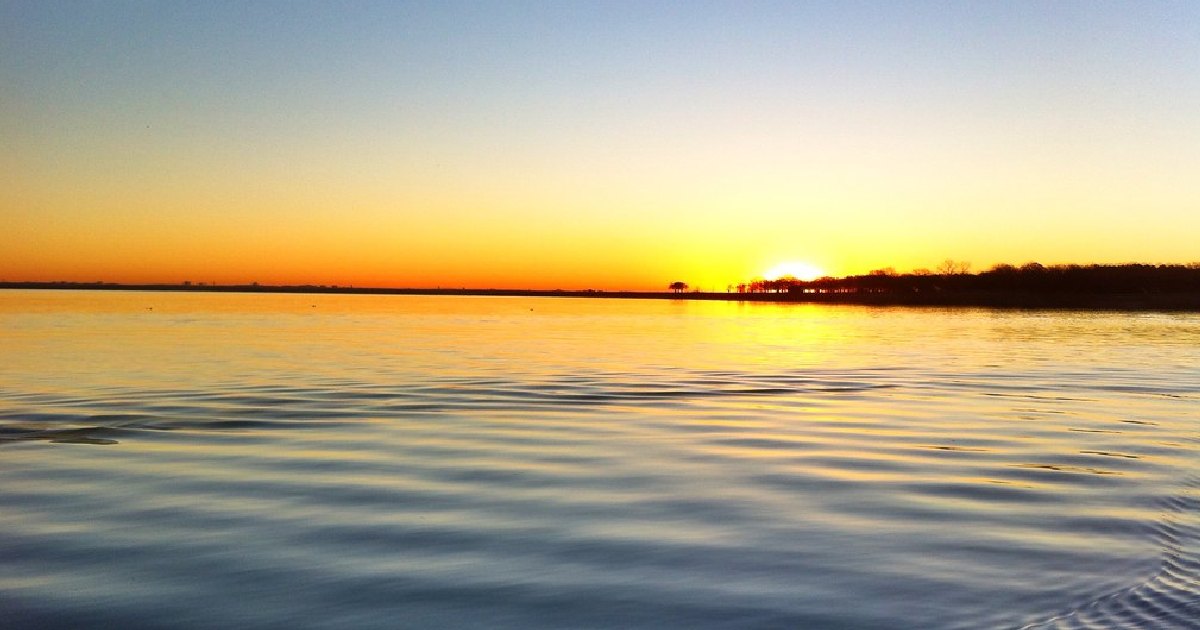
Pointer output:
612, 145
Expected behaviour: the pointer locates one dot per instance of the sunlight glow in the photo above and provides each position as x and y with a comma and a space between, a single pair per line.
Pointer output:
796, 269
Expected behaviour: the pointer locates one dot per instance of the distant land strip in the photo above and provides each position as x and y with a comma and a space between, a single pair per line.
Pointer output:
1145, 301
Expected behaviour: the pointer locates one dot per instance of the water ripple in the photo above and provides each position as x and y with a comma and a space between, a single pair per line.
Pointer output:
1170, 598
375, 467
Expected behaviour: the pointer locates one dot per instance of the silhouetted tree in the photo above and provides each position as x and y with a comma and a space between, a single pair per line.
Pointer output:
678, 287
1030, 278
951, 267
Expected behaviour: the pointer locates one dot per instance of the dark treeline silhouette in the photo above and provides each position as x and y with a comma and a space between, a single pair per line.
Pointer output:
1109, 287
1030, 278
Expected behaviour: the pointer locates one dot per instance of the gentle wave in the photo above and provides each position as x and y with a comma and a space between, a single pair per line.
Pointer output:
296, 407
1170, 598
416, 470
904, 472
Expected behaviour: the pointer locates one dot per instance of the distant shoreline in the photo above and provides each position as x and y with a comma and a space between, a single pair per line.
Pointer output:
993, 299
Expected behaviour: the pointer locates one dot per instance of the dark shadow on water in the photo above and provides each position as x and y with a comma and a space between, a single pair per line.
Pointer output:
86, 435
103, 420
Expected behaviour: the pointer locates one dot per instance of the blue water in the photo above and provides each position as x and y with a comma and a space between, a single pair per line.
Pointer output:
215, 461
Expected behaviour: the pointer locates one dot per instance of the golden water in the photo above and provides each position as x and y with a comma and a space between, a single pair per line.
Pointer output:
224, 460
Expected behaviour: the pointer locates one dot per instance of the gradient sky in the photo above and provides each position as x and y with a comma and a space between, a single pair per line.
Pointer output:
590, 144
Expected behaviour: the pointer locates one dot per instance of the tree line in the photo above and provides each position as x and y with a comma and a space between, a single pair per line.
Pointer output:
1034, 278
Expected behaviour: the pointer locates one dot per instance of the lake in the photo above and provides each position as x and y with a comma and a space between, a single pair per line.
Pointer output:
196, 460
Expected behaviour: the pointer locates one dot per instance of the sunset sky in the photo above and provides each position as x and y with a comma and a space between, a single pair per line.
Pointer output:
616, 145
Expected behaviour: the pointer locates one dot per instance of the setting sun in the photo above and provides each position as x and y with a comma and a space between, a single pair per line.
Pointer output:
795, 269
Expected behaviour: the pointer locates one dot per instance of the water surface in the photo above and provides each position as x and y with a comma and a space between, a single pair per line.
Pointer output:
219, 460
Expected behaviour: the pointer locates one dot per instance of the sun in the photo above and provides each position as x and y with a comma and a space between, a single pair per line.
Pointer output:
796, 269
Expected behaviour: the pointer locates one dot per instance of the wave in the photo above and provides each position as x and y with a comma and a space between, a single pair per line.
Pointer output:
883, 497
81, 420
1167, 600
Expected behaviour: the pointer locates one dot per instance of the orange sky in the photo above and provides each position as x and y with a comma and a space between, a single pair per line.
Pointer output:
588, 147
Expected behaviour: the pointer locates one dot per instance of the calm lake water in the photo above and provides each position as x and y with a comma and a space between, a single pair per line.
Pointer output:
194, 460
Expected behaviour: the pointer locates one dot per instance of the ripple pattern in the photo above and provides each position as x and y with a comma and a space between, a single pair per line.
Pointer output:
1170, 598
477, 464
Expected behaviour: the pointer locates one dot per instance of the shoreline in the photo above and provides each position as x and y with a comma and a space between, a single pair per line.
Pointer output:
1188, 302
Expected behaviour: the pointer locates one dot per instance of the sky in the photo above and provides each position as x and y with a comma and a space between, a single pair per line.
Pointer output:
607, 145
